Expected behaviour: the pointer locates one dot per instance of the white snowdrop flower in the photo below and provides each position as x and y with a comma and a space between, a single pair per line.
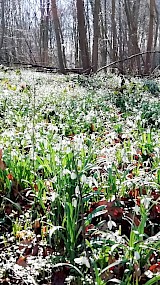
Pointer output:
112, 135
53, 128
90, 181
148, 131
54, 196
33, 154
118, 182
28, 137
61, 126
68, 150
136, 255
57, 159
146, 201
77, 192
74, 202
54, 179
58, 147
130, 123
157, 150
79, 163
82, 260
73, 175
80, 140
83, 178
136, 209
78, 146
93, 136
48, 156
111, 224
138, 118
19, 124
66, 171
149, 274
14, 153
125, 158
38, 136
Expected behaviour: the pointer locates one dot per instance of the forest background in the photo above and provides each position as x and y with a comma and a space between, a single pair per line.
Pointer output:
85, 34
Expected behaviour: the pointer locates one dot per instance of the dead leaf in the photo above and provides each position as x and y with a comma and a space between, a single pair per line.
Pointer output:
35, 250
15, 187
37, 226
2, 163
59, 277
22, 261
10, 176
8, 209
155, 268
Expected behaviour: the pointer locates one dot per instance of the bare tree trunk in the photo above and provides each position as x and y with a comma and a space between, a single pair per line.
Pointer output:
88, 28
150, 36
154, 62
2, 24
44, 26
82, 35
120, 38
46, 38
42, 32
104, 38
62, 45
58, 38
95, 35
132, 12
114, 33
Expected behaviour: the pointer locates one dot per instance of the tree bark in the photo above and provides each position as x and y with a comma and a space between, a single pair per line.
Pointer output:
120, 38
2, 24
58, 38
95, 35
150, 36
114, 32
82, 35
132, 12
44, 26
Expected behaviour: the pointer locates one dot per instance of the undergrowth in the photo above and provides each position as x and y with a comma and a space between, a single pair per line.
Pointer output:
79, 180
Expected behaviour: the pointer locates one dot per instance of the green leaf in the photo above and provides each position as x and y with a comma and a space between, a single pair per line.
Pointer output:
110, 266
153, 280
16, 205
52, 231
67, 264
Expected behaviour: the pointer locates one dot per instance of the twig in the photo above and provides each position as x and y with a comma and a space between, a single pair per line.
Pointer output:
125, 59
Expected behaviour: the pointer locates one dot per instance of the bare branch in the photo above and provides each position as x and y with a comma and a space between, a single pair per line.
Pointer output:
125, 59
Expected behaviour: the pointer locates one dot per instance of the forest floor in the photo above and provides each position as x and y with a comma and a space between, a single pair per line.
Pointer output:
79, 179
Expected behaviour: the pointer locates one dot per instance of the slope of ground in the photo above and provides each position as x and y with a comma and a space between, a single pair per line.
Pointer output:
79, 179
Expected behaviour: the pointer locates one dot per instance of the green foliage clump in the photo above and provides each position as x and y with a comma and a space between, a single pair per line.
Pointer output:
151, 114
151, 86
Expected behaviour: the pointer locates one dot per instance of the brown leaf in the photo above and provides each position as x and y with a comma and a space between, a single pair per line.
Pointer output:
15, 188
59, 277
92, 128
22, 261
133, 218
2, 163
155, 268
8, 209
35, 250
37, 226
